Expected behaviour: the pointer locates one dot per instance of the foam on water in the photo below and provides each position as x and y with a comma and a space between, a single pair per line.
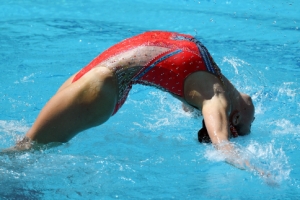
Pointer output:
266, 157
285, 127
11, 131
235, 63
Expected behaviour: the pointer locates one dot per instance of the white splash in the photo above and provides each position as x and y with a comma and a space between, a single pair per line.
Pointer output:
169, 112
13, 126
265, 157
285, 126
26, 79
158, 122
235, 62
258, 98
213, 155
12, 129
271, 159
286, 90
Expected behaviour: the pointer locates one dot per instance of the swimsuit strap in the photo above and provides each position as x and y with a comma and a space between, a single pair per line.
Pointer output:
211, 66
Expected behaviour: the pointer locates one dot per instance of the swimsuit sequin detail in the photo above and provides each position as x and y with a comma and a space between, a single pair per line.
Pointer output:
167, 71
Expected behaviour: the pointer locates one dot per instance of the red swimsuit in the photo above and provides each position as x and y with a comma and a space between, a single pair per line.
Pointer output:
167, 71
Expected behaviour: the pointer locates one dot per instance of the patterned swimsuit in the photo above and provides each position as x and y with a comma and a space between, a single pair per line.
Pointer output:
167, 71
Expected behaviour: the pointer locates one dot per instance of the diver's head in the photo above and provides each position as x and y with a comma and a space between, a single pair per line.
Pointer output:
243, 117
240, 119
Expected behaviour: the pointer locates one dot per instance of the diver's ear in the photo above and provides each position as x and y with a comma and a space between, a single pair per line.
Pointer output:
235, 117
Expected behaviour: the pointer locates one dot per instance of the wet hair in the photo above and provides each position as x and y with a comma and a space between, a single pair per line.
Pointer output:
203, 136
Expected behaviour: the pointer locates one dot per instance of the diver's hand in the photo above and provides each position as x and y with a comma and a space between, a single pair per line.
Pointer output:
267, 177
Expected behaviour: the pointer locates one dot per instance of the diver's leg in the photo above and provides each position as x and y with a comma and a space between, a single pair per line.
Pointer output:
88, 102
67, 83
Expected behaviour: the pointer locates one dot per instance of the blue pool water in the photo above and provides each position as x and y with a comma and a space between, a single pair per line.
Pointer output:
149, 150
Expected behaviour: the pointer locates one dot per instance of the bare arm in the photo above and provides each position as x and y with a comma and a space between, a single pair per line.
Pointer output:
216, 120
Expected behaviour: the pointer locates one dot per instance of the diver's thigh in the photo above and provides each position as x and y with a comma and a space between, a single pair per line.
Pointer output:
83, 104
67, 83
98, 94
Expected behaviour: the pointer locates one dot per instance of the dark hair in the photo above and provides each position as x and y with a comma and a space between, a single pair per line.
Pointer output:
203, 136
